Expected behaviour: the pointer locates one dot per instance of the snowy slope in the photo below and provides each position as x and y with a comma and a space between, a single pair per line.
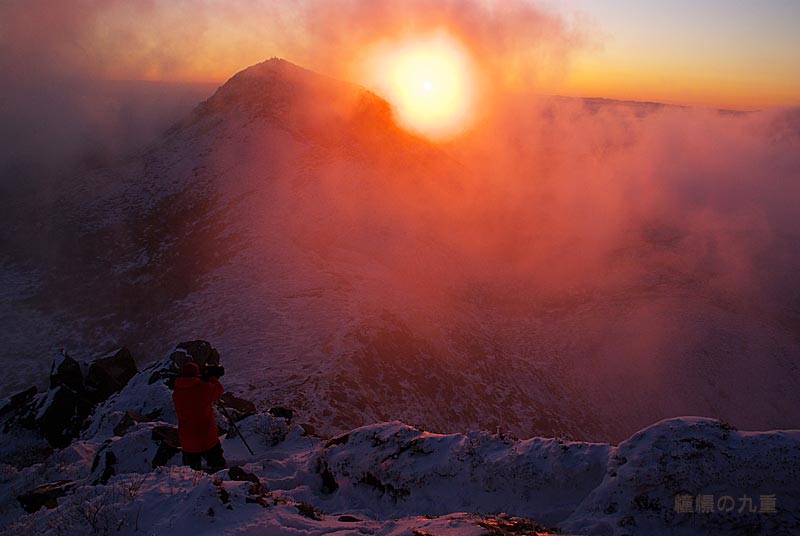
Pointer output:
391, 478
289, 221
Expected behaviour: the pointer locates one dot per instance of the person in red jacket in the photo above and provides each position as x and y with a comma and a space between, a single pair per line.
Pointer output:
194, 399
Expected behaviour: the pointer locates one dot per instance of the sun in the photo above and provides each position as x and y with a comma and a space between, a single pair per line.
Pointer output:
430, 80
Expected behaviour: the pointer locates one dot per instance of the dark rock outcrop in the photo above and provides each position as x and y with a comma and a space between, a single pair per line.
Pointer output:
240, 475
282, 413
19, 412
108, 375
129, 419
239, 408
67, 372
169, 444
110, 468
46, 495
18, 400
329, 484
61, 413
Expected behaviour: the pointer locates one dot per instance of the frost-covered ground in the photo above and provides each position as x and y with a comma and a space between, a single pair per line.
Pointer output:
121, 476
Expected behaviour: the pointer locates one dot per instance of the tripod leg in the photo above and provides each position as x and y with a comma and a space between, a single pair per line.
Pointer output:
235, 428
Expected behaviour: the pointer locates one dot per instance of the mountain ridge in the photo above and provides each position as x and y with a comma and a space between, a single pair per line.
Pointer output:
330, 256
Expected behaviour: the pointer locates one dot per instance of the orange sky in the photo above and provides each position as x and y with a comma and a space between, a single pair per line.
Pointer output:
730, 53
716, 52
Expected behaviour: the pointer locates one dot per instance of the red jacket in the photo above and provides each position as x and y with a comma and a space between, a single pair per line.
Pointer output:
193, 399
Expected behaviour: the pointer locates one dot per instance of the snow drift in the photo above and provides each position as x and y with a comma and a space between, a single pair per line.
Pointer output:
391, 478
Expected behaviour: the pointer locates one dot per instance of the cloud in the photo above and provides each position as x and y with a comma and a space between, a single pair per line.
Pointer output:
652, 229
57, 109
515, 41
54, 56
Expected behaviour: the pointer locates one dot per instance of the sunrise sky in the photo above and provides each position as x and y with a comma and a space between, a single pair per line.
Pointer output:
721, 52
732, 53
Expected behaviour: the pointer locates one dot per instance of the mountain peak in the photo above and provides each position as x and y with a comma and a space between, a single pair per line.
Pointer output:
277, 82
307, 103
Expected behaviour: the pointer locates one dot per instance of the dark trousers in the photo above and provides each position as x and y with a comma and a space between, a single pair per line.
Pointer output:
214, 459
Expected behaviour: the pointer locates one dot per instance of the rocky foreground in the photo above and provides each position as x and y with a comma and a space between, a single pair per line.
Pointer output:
98, 453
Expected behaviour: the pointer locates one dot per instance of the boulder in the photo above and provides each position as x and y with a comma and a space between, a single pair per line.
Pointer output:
109, 468
19, 411
201, 352
329, 484
18, 401
169, 444
308, 429
282, 413
167, 434
67, 372
62, 415
129, 419
239, 407
109, 374
238, 474
167, 373
46, 495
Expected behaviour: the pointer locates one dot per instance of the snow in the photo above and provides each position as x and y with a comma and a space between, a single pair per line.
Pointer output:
288, 277
391, 478
323, 327
695, 456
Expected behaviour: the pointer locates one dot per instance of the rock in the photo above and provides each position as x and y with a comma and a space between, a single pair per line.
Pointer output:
265, 428
169, 444
129, 419
308, 511
164, 454
308, 430
109, 469
62, 415
240, 475
201, 352
338, 440
108, 375
167, 434
167, 374
329, 484
18, 401
283, 413
240, 407
348, 519
66, 371
46, 495
19, 412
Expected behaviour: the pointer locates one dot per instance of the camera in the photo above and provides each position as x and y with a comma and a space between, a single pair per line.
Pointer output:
208, 371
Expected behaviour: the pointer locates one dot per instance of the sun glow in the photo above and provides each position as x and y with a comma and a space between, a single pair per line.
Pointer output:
430, 81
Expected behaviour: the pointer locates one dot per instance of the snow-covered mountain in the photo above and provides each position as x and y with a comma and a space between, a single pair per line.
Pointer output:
321, 249
122, 474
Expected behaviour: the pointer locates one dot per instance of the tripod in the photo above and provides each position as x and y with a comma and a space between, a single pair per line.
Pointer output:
235, 428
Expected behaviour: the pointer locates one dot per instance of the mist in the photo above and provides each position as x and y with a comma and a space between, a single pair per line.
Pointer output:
59, 108
648, 250
629, 246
